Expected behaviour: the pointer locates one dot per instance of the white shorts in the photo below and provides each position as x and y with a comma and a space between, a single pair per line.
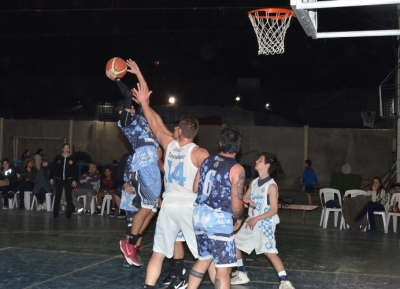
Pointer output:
261, 239
175, 215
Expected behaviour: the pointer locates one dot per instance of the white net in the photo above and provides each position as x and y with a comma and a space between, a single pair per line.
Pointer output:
368, 118
270, 26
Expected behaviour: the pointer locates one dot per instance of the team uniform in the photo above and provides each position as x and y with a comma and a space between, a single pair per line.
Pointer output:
126, 198
262, 237
178, 201
212, 217
144, 162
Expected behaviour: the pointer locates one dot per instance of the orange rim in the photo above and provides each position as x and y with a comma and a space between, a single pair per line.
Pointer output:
272, 13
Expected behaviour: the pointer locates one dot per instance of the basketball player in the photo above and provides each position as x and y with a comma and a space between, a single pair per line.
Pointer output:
143, 164
258, 232
182, 160
219, 185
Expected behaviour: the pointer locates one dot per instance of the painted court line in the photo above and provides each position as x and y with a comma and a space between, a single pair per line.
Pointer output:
72, 272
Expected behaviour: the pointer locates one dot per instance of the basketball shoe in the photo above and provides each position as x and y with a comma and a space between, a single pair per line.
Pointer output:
285, 284
239, 277
130, 252
177, 283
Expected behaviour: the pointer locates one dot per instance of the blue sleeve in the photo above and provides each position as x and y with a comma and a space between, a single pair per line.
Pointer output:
315, 179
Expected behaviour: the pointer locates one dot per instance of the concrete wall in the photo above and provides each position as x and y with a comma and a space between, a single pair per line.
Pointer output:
367, 151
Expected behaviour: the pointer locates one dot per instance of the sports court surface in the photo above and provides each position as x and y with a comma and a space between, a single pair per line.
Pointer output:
39, 252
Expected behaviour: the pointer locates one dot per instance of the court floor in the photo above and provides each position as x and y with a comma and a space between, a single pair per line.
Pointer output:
39, 252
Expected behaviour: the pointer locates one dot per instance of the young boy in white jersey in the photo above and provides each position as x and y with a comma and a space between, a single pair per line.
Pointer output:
258, 231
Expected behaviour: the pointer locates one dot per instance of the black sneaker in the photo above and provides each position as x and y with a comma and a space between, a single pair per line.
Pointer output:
168, 279
177, 283
87, 212
121, 214
112, 213
98, 212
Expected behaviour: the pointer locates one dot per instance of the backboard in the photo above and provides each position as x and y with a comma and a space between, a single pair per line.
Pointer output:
307, 13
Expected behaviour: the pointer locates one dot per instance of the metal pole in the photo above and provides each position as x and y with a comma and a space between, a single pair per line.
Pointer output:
306, 127
71, 133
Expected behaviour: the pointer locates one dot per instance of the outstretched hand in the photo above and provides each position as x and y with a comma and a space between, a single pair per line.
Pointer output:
110, 75
133, 67
141, 94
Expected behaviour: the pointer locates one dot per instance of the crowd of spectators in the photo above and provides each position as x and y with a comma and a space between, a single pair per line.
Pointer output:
32, 173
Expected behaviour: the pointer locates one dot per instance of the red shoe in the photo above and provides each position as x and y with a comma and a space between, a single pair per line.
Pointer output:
130, 252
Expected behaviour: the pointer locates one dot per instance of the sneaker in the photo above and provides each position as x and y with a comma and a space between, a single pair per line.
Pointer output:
239, 277
39, 207
167, 280
121, 214
177, 283
44, 206
98, 212
78, 211
130, 252
87, 213
112, 213
126, 265
5, 207
285, 284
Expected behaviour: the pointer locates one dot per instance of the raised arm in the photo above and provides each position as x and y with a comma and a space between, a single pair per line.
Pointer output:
134, 69
142, 95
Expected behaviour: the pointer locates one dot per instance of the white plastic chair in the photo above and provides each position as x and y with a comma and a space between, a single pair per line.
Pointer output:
352, 194
92, 205
34, 201
384, 219
392, 214
107, 199
27, 199
326, 195
13, 203
49, 202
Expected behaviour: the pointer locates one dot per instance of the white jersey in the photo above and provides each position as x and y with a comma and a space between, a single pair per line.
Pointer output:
262, 237
260, 196
180, 172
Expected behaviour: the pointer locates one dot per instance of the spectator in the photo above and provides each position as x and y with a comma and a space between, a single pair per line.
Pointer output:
25, 155
25, 182
8, 181
378, 203
108, 185
63, 175
42, 184
309, 181
38, 158
120, 183
90, 184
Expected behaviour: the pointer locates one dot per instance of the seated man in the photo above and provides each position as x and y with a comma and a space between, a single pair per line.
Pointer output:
90, 184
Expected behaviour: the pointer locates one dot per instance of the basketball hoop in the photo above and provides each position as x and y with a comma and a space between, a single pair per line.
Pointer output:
368, 118
270, 25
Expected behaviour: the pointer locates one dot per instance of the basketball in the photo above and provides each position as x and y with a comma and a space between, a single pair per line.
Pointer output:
117, 66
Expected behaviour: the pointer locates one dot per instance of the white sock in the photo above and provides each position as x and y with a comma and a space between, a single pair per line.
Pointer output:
282, 274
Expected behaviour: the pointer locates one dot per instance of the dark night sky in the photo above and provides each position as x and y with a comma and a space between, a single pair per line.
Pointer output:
57, 55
